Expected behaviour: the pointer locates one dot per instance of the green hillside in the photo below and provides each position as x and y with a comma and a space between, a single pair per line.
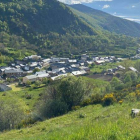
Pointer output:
50, 28
92, 122
106, 21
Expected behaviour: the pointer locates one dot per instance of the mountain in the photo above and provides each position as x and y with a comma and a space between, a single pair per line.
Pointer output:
48, 27
106, 21
127, 8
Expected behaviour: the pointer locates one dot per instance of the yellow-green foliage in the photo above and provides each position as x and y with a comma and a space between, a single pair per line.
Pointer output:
108, 99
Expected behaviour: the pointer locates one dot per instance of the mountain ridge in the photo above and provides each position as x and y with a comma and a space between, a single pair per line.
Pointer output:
109, 22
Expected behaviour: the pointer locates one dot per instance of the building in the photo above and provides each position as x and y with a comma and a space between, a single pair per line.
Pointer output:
133, 69
31, 78
84, 57
13, 72
4, 87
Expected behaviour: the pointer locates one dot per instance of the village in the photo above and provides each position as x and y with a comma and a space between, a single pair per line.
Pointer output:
34, 67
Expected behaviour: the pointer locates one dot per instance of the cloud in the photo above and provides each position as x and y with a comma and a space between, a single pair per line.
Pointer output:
80, 1
133, 6
106, 6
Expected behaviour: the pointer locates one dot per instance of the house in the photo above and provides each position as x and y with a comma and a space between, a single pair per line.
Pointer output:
84, 57
75, 65
58, 77
26, 68
18, 62
72, 61
98, 62
87, 69
95, 58
80, 72
33, 65
89, 62
46, 62
133, 69
64, 59
4, 87
120, 67
31, 78
33, 57
53, 59
10, 72
2, 69
41, 76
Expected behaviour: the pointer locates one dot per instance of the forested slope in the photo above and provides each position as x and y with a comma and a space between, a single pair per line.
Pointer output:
48, 27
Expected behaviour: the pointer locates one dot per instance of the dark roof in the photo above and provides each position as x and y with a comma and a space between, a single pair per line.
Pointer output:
4, 87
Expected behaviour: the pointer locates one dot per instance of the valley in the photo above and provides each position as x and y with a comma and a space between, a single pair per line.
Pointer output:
69, 71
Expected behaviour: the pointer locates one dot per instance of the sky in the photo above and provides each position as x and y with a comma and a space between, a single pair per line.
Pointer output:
128, 9
80, 1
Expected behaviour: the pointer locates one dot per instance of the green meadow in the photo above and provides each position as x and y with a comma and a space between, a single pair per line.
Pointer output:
92, 122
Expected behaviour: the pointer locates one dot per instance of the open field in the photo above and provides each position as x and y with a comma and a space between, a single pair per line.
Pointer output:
101, 77
14, 88
22, 94
91, 122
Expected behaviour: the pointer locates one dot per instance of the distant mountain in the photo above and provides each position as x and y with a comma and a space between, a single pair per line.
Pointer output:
106, 21
125, 8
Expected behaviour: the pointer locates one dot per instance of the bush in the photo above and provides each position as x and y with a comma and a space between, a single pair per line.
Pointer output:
96, 99
86, 102
75, 107
11, 114
53, 108
65, 96
108, 99
72, 91
81, 116
28, 96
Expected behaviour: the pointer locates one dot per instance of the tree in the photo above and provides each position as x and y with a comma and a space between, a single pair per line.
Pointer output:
45, 81
57, 100
11, 114
36, 70
127, 79
28, 83
37, 83
127, 64
115, 82
73, 90
137, 65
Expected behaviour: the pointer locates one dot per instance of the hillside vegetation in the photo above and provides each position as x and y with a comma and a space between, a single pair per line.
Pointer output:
50, 28
106, 21
92, 122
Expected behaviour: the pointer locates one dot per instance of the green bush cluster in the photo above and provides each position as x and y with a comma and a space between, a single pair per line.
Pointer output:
66, 96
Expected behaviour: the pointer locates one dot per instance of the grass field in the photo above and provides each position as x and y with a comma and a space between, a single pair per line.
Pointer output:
104, 67
14, 88
91, 122
21, 93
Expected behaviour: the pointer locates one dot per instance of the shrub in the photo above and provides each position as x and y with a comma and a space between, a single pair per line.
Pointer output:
108, 99
120, 102
96, 99
86, 102
75, 107
81, 116
52, 108
11, 114
138, 86
28, 96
